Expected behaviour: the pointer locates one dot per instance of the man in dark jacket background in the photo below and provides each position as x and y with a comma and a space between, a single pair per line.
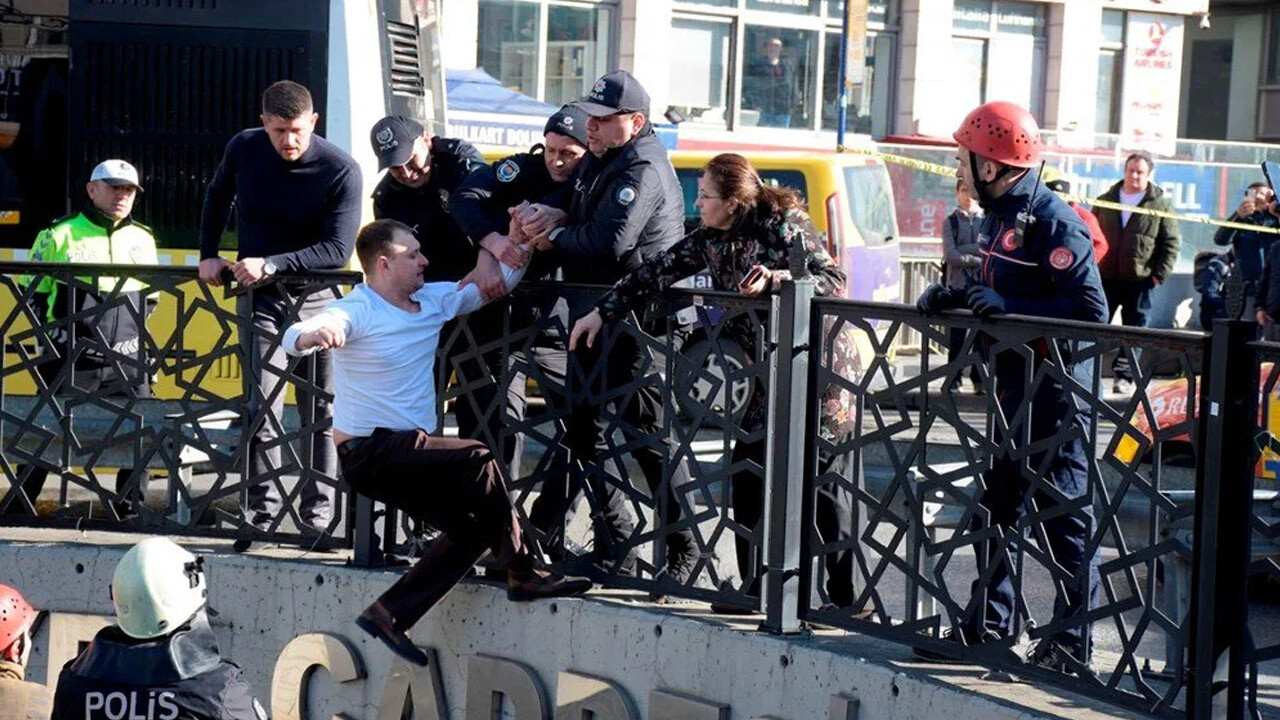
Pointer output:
1142, 250
1248, 248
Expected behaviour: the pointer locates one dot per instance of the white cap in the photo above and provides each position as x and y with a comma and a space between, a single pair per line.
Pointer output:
116, 172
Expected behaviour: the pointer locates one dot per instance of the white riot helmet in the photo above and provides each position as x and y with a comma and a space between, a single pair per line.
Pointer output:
157, 588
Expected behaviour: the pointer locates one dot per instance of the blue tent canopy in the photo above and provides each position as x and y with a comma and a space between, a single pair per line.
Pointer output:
478, 91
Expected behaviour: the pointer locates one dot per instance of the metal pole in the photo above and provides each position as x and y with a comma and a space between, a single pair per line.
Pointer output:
842, 99
1220, 554
784, 461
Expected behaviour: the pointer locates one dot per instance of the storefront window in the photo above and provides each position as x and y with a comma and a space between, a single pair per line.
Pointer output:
795, 7
699, 77
576, 51
1273, 53
779, 77
973, 15
714, 3
1110, 64
868, 95
508, 43
877, 11
575, 40
999, 52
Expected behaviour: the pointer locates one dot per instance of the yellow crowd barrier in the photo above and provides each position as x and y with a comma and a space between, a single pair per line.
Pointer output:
950, 171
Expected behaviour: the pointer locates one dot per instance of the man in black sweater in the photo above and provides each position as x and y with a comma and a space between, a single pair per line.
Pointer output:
297, 200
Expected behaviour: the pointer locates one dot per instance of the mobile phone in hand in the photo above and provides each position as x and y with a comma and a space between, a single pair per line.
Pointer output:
1271, 171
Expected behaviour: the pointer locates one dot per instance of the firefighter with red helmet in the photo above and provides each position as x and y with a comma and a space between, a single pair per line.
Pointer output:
19, 699
1037, 259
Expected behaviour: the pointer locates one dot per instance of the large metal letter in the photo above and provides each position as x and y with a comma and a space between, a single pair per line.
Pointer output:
489, 679
298, 659
666, 705
582, 697
420, 683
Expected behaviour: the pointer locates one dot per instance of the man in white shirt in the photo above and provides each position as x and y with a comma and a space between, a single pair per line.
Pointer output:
384, 337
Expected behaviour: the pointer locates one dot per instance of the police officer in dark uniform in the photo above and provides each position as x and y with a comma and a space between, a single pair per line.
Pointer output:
161, 660
423, 173
482, 207
1037, 260
627, 207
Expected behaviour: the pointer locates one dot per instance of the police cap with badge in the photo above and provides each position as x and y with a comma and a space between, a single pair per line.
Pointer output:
569, 121
392, 138
614, 93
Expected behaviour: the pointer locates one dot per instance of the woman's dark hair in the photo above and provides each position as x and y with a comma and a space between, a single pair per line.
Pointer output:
738, 182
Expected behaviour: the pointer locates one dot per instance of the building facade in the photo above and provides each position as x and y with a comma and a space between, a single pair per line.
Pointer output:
1231, 73
766, 72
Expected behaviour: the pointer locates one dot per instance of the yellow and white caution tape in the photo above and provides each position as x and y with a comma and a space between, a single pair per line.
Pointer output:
950, 171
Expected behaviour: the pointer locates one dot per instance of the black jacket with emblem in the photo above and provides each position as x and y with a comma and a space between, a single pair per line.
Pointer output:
480, 204
627, 208
177, 677
450, 253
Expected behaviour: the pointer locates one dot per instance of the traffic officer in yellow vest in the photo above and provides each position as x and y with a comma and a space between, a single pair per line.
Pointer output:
19, 698
108, 337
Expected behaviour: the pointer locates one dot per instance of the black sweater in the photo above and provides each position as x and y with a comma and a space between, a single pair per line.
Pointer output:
299, 215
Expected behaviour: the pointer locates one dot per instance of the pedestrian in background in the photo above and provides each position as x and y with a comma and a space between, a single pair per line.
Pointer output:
962, 259
1249, 248
1142, 250
1268, 297
1054, 181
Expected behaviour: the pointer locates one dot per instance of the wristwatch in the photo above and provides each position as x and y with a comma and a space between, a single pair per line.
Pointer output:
269, 268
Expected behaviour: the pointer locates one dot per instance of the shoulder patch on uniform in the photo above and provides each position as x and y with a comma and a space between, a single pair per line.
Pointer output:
1061, 258
626, 195
508, 170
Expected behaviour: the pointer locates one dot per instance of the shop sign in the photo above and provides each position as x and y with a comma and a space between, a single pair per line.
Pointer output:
1152, 83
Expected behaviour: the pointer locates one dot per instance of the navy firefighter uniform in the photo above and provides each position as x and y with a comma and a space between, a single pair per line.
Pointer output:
1048, 271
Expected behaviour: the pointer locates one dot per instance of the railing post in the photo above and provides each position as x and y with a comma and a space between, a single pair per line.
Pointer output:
1220, 554
785, 458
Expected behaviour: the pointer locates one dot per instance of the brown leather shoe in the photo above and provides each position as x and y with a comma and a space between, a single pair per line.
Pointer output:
376, 621
545, 584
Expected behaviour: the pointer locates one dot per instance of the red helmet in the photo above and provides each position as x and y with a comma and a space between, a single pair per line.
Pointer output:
1001, 131
16, 615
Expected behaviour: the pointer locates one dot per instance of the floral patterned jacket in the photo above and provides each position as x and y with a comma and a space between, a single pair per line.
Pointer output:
760, 239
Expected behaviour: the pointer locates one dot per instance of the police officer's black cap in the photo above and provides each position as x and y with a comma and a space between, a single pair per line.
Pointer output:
615, 92
1059, 186
392, 139
569, 121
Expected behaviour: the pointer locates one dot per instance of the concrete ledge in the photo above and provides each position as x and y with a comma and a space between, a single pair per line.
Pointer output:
268, 599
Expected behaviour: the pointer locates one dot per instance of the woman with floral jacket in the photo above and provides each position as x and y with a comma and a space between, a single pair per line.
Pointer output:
748, 232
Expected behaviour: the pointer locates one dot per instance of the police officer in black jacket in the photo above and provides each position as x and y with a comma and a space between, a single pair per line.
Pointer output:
161, 660
627, 206
483, 206
423, 174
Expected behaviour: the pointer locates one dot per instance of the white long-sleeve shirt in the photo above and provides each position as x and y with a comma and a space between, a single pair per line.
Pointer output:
384, 375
